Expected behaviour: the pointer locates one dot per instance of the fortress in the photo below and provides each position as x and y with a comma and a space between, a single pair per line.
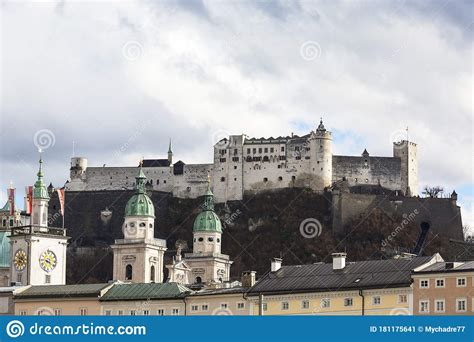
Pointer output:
243, 165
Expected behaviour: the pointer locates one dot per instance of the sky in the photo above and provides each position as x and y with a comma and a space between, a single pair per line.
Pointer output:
113, 81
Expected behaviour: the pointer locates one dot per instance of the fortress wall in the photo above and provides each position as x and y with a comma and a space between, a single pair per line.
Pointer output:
385, 171
193, 182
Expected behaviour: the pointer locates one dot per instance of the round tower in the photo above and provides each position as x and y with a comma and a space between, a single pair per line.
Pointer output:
207, 228
320, 142
78, 167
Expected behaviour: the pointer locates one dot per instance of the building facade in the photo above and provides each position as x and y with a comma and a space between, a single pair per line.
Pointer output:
241, 164
444, 288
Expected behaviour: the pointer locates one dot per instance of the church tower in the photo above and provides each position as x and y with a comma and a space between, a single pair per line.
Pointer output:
38, 251
207, 262
320, 143
138, 257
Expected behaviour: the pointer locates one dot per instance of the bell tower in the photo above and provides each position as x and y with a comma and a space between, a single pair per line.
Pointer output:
138, 257
207, 262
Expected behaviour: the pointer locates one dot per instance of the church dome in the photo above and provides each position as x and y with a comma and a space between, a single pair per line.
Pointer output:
140, 204
207, 220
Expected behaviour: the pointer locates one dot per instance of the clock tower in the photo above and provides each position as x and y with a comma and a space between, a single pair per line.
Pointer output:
38, 252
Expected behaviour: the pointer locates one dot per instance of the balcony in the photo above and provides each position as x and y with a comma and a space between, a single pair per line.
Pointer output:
31, 229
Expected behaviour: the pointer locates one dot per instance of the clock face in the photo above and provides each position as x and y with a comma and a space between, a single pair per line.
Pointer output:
20, 260
48, 260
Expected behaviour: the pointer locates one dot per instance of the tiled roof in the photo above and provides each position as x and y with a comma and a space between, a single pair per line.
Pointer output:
356, 275
144, 291
155, 162
78, 290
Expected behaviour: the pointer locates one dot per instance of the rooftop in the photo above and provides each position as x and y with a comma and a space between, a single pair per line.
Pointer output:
145, 291
78, 290
446, 267
322, 277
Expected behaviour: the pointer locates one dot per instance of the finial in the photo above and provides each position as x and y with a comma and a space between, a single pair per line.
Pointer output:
169, 147
141, 162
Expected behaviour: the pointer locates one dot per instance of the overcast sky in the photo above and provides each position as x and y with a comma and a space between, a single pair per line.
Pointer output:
121, 78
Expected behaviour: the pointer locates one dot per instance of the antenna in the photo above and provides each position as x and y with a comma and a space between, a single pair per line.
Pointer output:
407, 135
73, 148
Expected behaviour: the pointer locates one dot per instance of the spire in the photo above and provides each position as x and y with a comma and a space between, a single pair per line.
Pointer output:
208, 204
170, 154
40, 190
140, 180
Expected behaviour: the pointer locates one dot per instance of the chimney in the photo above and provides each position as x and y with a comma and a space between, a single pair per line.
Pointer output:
338, 261
248, 278
276, 264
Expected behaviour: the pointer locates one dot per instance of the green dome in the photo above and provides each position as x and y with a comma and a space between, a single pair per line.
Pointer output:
140, 204
207, 220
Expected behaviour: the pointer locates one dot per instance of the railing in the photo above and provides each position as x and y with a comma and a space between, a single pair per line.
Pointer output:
32, 229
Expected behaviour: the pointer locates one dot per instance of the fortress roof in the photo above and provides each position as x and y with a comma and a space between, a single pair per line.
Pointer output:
155, 162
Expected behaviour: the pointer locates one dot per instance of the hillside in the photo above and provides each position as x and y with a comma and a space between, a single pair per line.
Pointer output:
260, 227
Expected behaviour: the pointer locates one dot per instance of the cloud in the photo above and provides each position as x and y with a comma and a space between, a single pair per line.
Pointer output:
195, 69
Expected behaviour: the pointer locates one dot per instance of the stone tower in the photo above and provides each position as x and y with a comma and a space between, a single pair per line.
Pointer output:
138, 257
38, 252
207, 263
320, 143
407, 152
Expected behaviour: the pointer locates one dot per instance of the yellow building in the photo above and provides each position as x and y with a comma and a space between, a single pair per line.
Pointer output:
378, 287
59, 300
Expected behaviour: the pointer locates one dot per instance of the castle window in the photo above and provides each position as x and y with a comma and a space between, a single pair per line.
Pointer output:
254, 150
265, 158
293, 178
142, 224
280, 178
218, 240
265, 179
47, 279
279, 166
200, 239
272, 150
283, 148
210, 239
282, 158
235, 159
128, 272
249, 159
157, 181
355, 179
307, 157
235, 151
152, 273
298, 157
198, 280
222, 160
366, 180
222, 179
248, 151
321, 169
265, 150
235, 179
151, 225
164, 182
297, 148
260, 150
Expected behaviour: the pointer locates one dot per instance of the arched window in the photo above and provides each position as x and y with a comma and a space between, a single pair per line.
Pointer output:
152, 273
128, 272
198, 280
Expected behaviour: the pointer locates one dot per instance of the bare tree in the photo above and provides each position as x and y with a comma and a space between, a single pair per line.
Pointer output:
433, 191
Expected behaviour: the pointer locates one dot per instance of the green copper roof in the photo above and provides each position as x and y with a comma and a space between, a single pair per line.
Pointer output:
140, 204
4, 249
6, 207
39, 189
207, 220
145, 291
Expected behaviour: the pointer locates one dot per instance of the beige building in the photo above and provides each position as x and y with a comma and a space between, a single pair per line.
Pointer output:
373, 287
58, 300
444, 288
